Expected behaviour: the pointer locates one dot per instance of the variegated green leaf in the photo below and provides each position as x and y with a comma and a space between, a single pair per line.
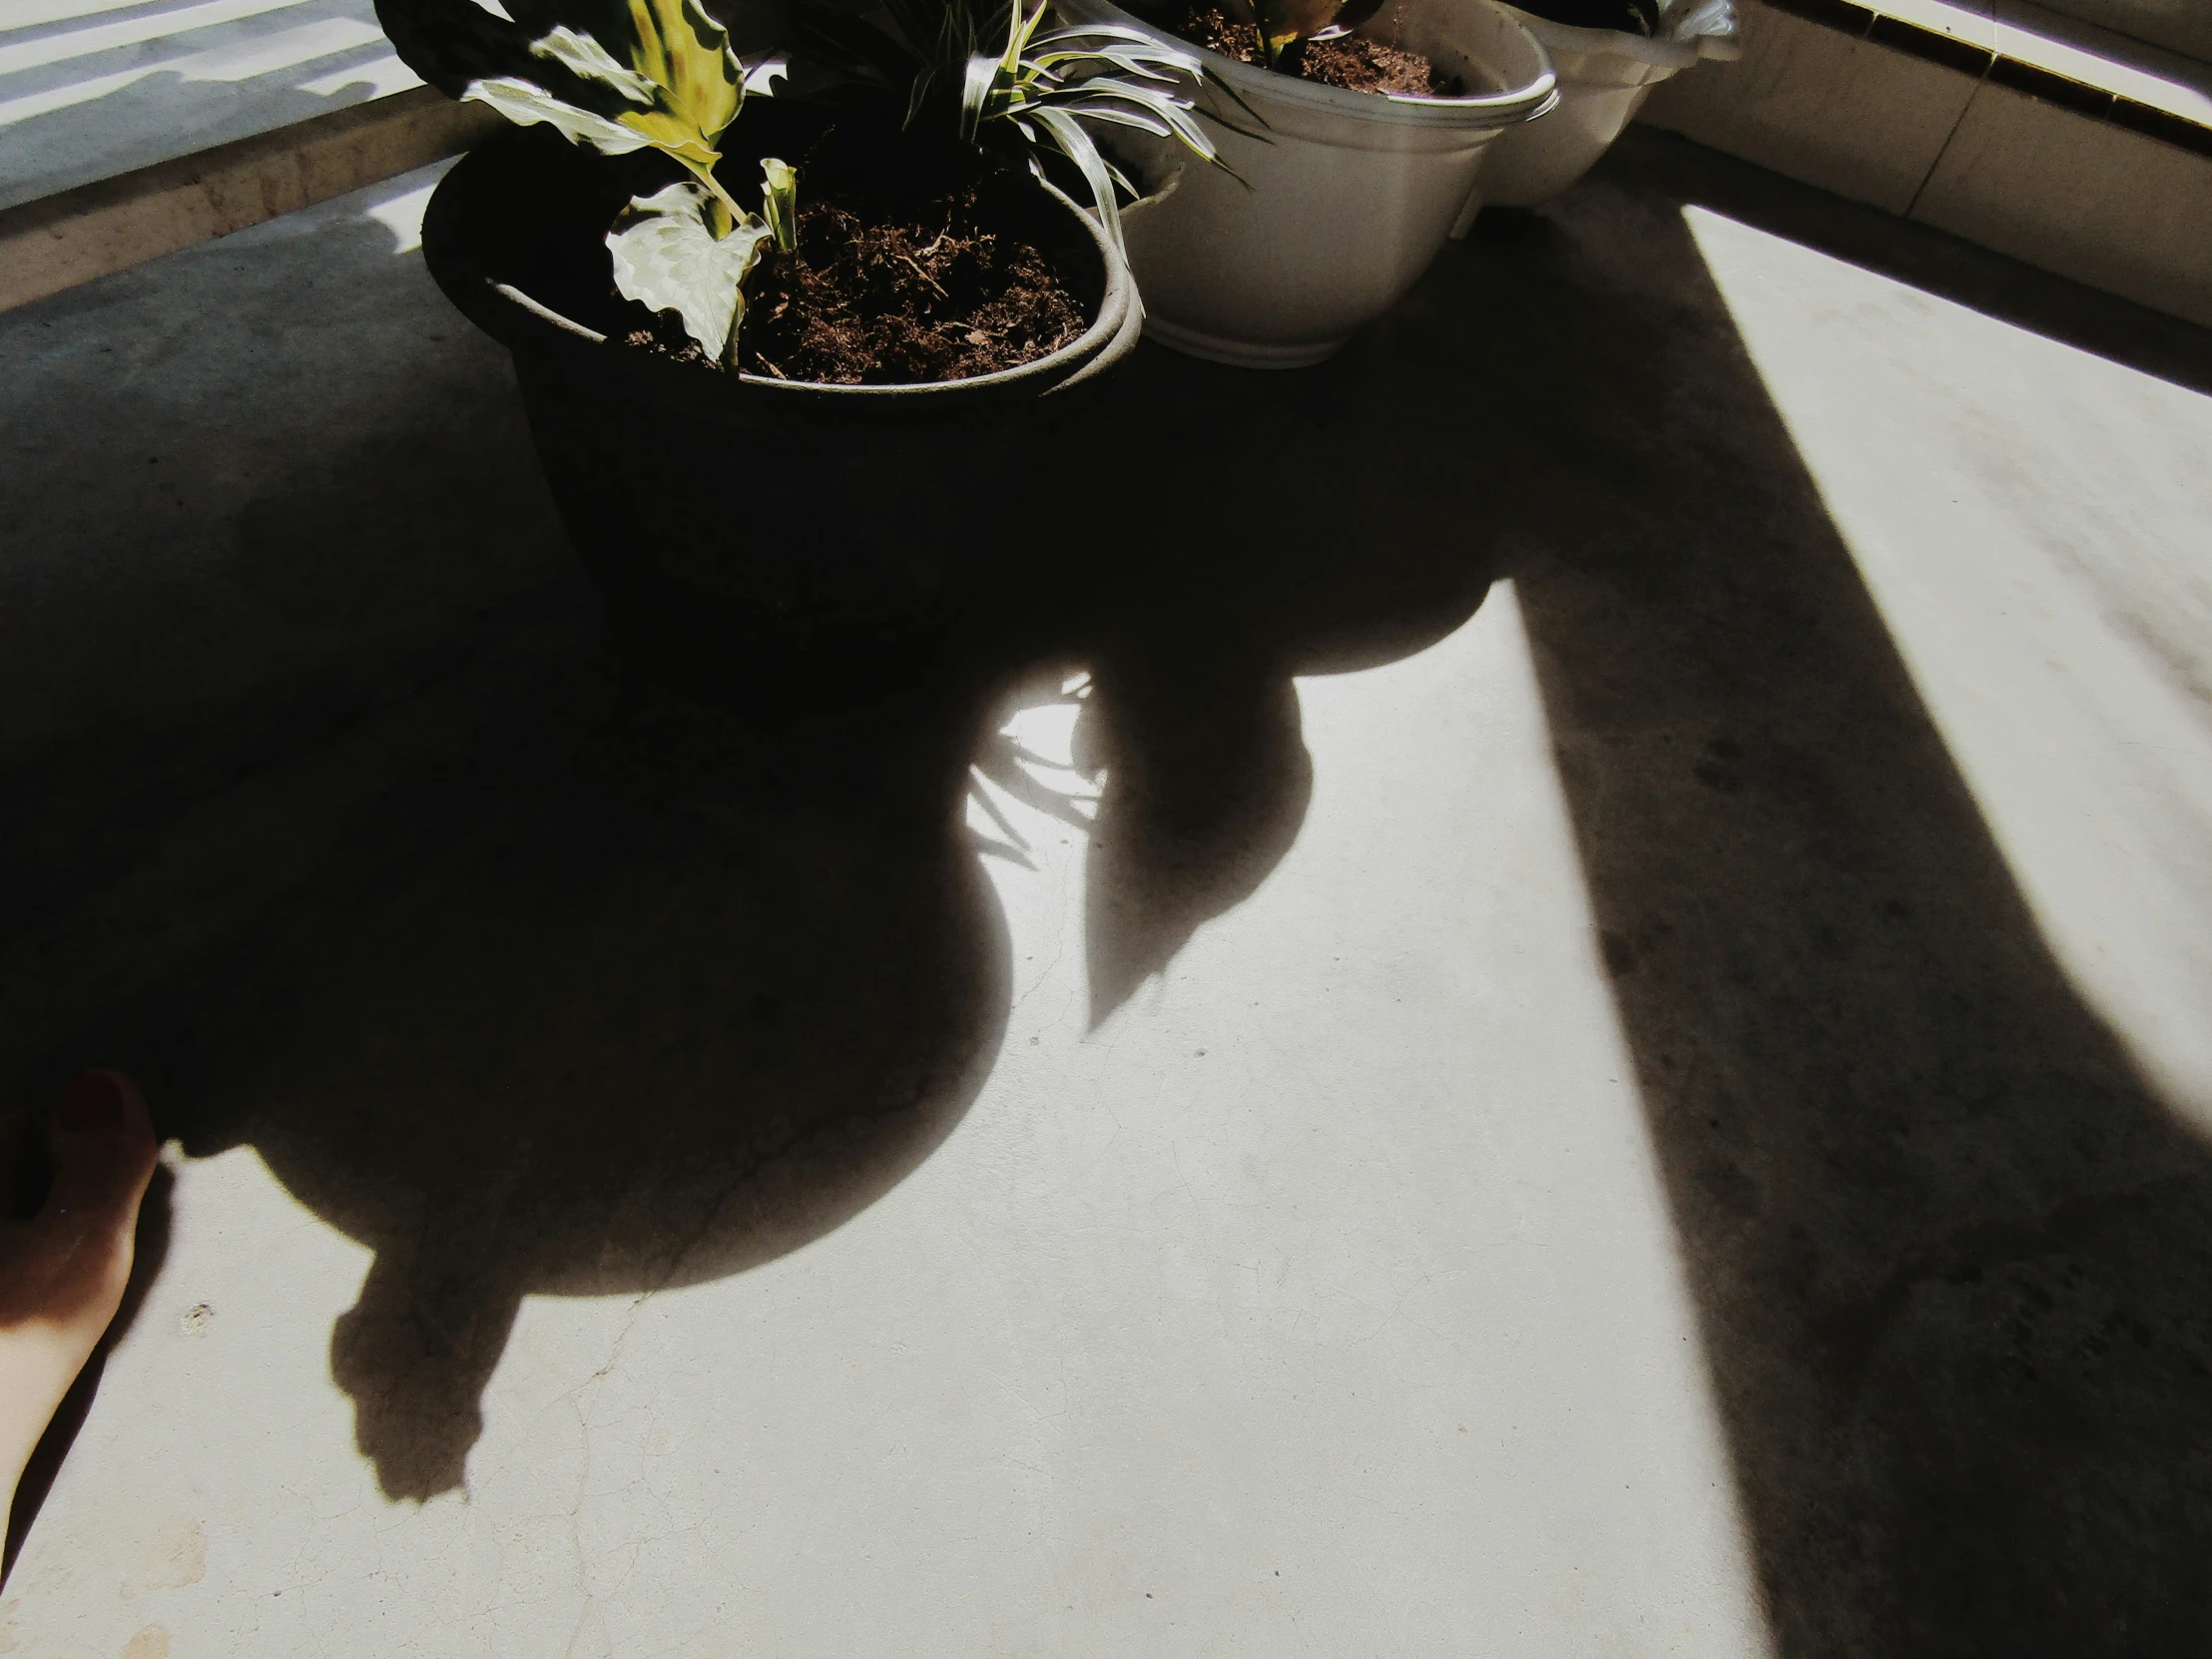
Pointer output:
593, 62
526, 105
780, 199
685, 53
667, 260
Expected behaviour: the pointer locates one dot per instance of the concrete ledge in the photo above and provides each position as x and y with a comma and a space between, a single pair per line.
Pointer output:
60, 240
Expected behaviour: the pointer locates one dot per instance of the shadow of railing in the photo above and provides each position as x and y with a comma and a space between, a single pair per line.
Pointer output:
1953, 1259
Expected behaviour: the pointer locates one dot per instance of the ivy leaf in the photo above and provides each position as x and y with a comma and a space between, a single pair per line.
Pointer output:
667, 260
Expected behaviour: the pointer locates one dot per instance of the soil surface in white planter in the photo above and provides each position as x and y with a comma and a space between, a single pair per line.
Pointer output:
1351, 61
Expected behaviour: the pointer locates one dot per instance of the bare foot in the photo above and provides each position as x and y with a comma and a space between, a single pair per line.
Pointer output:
62, 1272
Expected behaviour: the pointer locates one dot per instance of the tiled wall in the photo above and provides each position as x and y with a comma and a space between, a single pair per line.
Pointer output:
1929, 131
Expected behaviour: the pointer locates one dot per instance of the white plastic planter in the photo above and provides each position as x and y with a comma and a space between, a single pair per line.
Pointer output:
1350, 199
1604, 77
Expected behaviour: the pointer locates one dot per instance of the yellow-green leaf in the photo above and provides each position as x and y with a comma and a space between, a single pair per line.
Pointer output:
686, 54
672, 133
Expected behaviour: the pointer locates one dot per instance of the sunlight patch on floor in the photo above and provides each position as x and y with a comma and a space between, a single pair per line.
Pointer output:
1371, 1142
2030, 521
401, 213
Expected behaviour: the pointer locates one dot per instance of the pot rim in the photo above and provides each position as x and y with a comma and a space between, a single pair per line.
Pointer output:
517, 320
1670, 51
1391, 109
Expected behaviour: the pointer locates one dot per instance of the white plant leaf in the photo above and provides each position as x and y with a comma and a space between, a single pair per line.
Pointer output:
593, 62
526, 105
1072, 141
667, 260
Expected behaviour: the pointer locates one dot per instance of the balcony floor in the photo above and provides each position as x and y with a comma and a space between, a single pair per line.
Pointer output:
1567, 1014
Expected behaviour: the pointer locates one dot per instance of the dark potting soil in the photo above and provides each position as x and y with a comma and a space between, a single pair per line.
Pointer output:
1350, 62
929, 294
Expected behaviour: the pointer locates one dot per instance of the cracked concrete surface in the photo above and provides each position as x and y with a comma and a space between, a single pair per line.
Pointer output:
1593, 1045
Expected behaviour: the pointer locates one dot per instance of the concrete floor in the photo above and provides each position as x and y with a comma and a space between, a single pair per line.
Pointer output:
1591, 1042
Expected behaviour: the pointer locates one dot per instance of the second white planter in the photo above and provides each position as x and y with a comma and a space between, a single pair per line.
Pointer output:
1604, 77
1350, 194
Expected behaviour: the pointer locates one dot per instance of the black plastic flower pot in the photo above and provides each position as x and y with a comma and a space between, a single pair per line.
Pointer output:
740, 529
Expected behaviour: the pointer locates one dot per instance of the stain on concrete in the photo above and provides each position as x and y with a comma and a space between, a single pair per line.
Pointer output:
174, 1556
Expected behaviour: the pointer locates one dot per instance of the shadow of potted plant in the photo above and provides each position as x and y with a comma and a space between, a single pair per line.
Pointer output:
792, 324
1351, 133
1609, 54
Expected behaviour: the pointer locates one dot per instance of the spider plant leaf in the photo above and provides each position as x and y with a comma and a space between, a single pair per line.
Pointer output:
978, 81
1099, 60
1121, 118
1121, 107
1073, 141
1137, 64
1102, 30
527, 105
667, 260
1153, 113
917, 95
585, 58
1126, 39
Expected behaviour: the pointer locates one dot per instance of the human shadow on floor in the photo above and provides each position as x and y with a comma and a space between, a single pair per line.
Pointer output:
1951, 1258
537, 975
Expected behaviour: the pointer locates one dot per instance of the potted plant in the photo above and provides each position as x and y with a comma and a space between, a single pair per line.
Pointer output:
1351, 133
1609, 54
790, 323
